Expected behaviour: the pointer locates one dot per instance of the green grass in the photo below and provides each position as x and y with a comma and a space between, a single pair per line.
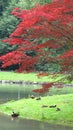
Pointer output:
31, 77
32, 109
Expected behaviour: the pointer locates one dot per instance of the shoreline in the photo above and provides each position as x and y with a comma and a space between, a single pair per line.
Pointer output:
69, 124
32, 109
21, 82
43, 121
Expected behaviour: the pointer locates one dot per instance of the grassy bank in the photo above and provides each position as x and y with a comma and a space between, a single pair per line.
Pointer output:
34, 109
32, 77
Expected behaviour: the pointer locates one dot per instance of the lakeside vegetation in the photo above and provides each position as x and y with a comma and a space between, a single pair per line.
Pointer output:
39, 109
32, 77
34, 109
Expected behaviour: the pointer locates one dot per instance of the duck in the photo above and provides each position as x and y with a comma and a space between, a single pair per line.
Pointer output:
32, 96
58, 109
52, 106
14, 114
38, 98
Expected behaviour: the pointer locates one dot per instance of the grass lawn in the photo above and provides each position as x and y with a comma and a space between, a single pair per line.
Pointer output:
32, 77
32, 109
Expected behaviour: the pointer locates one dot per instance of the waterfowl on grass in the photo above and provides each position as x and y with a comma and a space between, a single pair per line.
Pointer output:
52, 106
14, 114
58, 109
38, 98
32, 96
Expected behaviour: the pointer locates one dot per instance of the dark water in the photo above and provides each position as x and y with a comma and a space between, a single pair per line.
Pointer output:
6, 123
15, 92
19, 124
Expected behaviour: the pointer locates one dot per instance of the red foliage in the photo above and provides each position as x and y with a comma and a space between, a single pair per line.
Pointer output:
67, 54
45, 88
42, 74
40, 91
52, 22
47, 85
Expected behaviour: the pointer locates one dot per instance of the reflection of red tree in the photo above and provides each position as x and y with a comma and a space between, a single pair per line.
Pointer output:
45, 88
47, 85
40, 91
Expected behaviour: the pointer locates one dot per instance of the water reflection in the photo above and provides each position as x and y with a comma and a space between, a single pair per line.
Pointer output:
19, 124
15, 92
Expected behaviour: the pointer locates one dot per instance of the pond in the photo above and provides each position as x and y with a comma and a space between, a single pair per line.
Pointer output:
20, 124
15, 92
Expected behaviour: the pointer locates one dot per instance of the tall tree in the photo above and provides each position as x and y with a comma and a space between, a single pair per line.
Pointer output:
42, 29
9, 22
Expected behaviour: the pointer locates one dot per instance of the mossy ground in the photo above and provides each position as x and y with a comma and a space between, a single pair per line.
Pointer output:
32, 109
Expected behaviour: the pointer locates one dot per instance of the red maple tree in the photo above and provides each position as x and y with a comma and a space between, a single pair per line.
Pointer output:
42, 28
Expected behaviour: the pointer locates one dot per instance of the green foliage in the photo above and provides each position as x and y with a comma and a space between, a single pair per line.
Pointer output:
5, 48
7, 25
9, 22
24, 4
47, 67
3, 5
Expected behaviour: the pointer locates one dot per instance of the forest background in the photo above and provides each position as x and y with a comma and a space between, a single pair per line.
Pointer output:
8, 24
